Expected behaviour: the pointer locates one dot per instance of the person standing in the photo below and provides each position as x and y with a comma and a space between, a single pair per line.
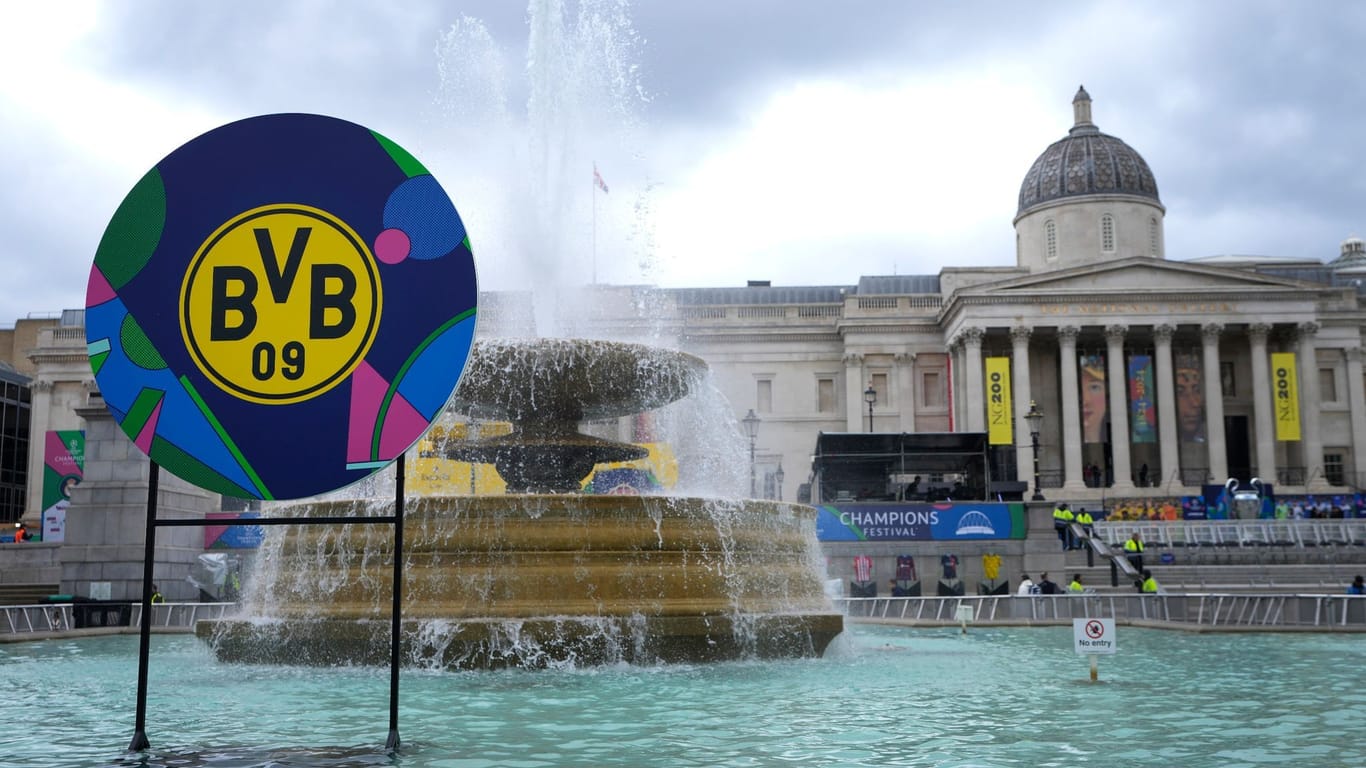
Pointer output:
20, 533
1047, 586
1062, 523
156, 595
1358, 586
1026, 586
1075, 587
1133, 550
1149, 586
1088, 525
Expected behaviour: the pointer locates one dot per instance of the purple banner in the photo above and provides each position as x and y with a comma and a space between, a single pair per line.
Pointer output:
1142, 414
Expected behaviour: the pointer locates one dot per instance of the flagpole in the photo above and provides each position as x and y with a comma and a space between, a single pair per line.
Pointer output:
595, 222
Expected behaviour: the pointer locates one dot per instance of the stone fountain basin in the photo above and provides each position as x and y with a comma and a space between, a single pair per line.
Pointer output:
587, 579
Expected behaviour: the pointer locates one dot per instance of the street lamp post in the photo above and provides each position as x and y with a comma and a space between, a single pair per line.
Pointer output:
778, 478
1035, 420
870, 397
751, 422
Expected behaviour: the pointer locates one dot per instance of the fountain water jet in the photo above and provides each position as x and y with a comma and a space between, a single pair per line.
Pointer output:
541, 576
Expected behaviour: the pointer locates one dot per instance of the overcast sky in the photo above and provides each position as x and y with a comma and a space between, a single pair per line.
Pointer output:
803, 142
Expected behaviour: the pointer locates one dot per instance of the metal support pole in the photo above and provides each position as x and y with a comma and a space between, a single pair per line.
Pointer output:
149, 543
1034, 439
753, 491
396, 615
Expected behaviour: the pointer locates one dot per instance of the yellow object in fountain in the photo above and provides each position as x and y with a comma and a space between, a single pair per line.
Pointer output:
542, 576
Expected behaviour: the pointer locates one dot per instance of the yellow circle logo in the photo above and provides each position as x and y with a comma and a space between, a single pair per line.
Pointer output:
280, 304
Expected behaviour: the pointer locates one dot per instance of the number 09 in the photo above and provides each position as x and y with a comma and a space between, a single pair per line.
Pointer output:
291, 361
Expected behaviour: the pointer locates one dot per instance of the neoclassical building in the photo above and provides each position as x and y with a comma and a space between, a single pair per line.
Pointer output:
1154, 375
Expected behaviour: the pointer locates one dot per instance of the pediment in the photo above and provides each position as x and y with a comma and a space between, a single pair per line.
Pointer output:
1144, 275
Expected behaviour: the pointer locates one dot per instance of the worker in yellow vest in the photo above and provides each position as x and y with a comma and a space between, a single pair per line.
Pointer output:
1133, 549
1062, 523
1075, 587
1149, 583
1087, 523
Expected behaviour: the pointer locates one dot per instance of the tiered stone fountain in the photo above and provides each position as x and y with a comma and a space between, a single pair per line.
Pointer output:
544, 575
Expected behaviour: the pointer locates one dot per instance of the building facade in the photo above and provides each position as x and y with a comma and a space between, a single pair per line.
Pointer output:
1153, 376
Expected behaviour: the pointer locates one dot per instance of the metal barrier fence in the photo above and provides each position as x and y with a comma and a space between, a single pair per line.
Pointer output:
60, 617
1238, 533
1192, 610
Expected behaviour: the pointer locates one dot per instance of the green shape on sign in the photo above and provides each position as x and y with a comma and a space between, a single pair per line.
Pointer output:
261, 491
195, 471
405, 161
133, 232
136, 419
138, 347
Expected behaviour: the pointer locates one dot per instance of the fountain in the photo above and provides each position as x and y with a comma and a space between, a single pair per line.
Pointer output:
545, 576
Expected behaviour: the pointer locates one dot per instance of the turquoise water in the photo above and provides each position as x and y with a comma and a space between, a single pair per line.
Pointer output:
883, 697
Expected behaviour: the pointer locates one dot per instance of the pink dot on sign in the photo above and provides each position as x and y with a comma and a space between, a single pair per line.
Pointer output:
392, 246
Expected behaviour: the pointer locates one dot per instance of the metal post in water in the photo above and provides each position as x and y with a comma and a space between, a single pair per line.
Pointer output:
396, 615
139, 741
1095, 671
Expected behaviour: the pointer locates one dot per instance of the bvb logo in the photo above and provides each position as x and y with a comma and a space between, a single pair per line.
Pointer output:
280, 304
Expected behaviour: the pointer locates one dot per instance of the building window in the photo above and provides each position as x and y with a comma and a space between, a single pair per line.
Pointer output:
763, 396
878, 381
1050, 237
1152, 237
1107, 233
825, 395
1332, 468
931, 393
1328, 386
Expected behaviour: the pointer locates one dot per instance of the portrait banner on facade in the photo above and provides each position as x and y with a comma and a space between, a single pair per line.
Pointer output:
1286, 391
1190, 397
63, 470
1142, 414
1094, 400
1000, 416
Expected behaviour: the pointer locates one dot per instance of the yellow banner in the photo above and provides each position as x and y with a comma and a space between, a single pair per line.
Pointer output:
1000, 420
1286, 396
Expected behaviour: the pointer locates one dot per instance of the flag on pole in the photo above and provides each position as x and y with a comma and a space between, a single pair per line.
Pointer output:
597, 179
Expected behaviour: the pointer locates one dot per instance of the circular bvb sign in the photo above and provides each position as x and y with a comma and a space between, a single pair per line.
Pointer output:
281, 306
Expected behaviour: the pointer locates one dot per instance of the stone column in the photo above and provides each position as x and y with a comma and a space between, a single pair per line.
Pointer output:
1214, 402
854, 407
1019, 384
1356, 395
905, 389
1119, 407
974, 399
40, 406
956, 384
1166, 403
106, 523
1071, 410
1262, 415
1311, 403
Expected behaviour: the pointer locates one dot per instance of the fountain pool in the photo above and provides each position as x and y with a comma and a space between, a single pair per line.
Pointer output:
881, 696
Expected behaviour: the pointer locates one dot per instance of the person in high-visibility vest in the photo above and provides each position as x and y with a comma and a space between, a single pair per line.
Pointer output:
1062, 523
1149, 583
1133, 549
1087, 523
20, 533
156, 595
1075, 587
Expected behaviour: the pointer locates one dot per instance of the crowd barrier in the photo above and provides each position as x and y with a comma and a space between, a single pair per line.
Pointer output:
1191, 610
60, 617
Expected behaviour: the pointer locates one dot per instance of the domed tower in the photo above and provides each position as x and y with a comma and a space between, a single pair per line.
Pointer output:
1089, 197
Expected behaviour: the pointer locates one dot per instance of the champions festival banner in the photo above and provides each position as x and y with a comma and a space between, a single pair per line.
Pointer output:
947, 521
63, 470
1142, 414
1286, 391
1000, 422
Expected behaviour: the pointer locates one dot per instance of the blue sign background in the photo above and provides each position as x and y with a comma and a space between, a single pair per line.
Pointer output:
957, 521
